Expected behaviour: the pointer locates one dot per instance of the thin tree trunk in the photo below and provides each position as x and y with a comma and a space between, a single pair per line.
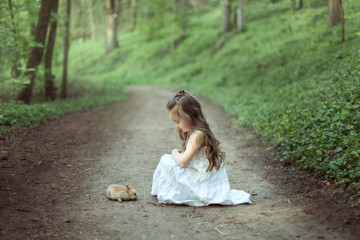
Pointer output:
49, 78
66, 51
87, 7
15, 71
293, 3
173, 27
240, 15
226, 16
342, 21
301, 4
133, 14
111, 29
334, 13
186, 5
32, 29
92, 21
36, 52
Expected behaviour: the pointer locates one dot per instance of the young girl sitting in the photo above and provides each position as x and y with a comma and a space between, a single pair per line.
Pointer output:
194, 175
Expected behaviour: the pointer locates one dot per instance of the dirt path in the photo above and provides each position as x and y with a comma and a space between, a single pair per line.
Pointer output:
54, 178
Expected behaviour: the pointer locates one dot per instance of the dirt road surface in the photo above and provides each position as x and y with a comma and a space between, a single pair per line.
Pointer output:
54, 179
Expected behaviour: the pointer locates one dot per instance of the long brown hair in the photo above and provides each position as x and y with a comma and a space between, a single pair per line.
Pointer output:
190, 108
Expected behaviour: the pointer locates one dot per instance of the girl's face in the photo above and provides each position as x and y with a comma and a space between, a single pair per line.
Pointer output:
183, 124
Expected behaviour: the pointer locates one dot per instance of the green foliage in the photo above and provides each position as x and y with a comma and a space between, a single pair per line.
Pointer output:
315, 122
15, 42
156, 17
15, 114
303, 91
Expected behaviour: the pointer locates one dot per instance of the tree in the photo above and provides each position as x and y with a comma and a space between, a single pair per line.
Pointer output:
37, 51
199, 3
92, 20
342, 21
240, 15
334, 13
15, 71
66, 51
49, 78
184, 20
133, 14
293, 3
301, 4
226, 16
179, 20
83, 20
112, 7
173, 27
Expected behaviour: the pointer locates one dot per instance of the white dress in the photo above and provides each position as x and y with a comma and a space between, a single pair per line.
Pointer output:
192, 185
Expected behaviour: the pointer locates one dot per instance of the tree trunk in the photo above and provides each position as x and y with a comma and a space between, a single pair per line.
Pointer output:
111, 29
226, 16
15, 71
32, 29
66, 51
173, 27
49, 78
301, 4
205, 3
342, 21
88, 8
186, 6
37, 51
334, 13
133, 14
293, 3
92, 21
240, 15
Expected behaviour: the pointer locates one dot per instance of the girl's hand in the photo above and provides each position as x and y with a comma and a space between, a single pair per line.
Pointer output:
176, 151
183, 158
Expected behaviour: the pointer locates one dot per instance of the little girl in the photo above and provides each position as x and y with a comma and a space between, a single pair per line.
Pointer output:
194, 175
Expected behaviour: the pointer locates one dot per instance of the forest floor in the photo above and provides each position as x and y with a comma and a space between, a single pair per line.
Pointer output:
54, 179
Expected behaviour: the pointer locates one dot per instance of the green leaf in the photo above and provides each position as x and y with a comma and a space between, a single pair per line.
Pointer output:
338, 149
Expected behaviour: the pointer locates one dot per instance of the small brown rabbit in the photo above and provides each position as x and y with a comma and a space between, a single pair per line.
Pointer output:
120, 193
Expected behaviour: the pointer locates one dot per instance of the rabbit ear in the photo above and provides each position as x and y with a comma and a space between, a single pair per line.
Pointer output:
128, 186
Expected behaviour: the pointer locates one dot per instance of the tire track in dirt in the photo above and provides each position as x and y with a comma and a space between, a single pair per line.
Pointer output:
130, 138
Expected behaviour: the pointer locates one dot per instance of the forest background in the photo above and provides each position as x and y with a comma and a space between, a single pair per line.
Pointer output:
289, 70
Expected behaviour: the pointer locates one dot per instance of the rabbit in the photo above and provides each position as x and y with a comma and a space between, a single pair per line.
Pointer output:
119, 192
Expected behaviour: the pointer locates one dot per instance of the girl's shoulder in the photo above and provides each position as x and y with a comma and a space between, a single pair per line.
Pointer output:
197, 137
198, 132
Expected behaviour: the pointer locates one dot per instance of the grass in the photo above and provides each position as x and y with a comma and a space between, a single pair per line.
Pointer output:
15, 115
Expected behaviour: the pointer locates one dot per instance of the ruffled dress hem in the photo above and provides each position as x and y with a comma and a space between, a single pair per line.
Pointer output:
194, 186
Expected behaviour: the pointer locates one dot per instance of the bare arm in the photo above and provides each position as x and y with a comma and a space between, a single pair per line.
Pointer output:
184, 158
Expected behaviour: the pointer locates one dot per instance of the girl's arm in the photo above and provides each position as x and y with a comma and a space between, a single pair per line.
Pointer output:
184, 158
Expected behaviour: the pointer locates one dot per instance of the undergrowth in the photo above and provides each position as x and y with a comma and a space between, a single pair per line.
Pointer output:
15, 114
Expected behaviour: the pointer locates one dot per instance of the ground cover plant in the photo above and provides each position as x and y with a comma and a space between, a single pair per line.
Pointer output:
16, 115
303, 93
